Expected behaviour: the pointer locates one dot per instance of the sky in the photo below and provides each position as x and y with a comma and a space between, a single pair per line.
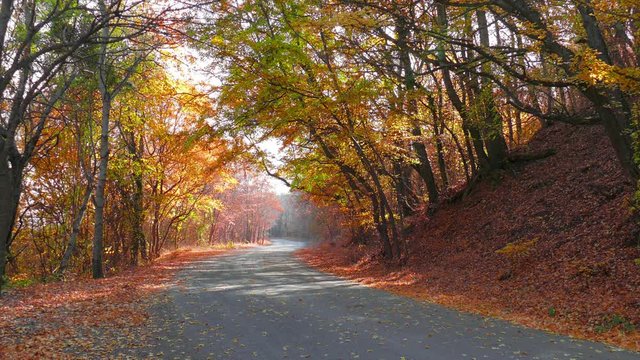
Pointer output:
272, 148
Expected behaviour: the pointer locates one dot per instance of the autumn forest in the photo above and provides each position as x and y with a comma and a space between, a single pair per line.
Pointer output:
481, 155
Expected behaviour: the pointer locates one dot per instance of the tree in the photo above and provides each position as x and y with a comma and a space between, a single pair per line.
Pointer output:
110, 84
35, 76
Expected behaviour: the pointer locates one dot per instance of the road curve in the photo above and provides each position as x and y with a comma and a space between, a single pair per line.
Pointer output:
262, 303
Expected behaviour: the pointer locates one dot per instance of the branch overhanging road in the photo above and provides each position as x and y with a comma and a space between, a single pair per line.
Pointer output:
263, 303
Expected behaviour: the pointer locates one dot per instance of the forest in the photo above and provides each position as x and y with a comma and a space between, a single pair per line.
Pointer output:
415, 136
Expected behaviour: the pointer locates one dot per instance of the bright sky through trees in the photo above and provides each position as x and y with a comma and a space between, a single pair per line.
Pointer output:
184, 63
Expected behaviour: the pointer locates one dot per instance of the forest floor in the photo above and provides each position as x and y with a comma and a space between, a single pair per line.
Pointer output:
551, 244
85, 316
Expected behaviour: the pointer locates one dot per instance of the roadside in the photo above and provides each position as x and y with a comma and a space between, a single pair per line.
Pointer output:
549, 244
88, 317
358, 264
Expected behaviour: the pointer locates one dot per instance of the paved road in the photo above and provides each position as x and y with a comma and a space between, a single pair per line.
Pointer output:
264, 304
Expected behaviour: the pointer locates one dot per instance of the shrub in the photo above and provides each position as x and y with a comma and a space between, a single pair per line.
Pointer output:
615, 321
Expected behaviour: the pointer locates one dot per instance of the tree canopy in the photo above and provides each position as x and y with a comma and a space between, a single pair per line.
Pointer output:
382, 110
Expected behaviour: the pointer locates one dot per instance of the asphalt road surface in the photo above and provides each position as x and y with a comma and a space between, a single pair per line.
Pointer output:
262, 303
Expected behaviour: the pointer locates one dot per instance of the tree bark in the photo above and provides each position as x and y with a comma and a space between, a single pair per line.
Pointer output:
352, 176
438, 131
138, 241
99, 199
406, 204
10, 184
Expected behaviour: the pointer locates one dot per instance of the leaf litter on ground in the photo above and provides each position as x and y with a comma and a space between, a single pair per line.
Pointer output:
88, 318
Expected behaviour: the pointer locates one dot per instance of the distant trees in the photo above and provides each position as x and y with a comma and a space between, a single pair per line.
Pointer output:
301, 218
248, 210
297, 219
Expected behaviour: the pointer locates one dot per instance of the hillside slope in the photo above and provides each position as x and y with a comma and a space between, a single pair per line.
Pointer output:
571, 264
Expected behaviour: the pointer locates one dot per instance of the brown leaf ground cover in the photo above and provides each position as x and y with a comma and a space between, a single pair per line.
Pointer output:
87, 318
551, 244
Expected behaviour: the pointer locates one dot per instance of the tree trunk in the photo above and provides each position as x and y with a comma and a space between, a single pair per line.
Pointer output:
424, 165
402, 187
9, 200
612, 106
470, 129
388, 222
461, 151
494, 136
352, 176
155, 231
438, 131
138, 241
75, 230
138, 246
99, 199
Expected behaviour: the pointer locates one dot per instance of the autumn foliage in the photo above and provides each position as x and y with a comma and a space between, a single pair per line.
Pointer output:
387, 110
498, 138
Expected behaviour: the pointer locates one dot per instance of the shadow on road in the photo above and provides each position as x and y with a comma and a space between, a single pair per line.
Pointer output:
262, 303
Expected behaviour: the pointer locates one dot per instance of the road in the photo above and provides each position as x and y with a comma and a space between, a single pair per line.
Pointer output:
262, 303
